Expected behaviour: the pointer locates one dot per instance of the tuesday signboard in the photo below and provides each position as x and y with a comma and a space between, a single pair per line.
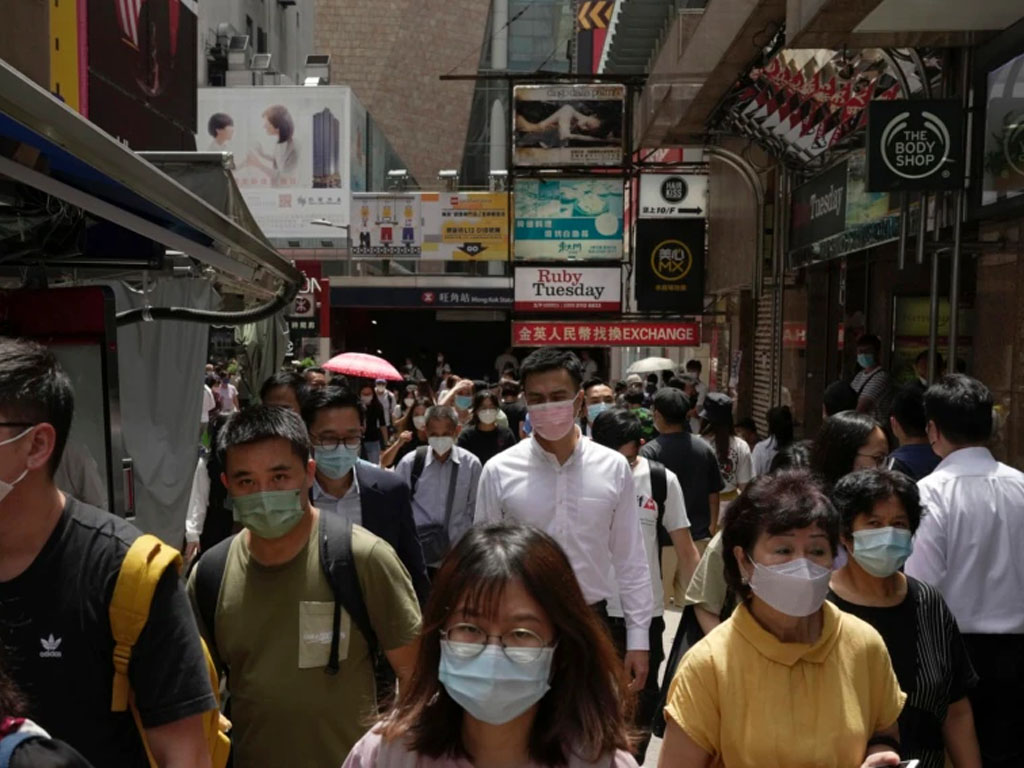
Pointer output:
571, 124
568, 288
568, 219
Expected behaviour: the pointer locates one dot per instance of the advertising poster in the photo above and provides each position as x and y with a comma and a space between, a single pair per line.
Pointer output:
673, 196
465, 226
1002, 163
597, 333
568, 219
911, 324
568, 125
669, 268
387, 225
568, 288
291, 150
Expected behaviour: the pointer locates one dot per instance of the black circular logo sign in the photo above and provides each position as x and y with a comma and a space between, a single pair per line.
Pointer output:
671, 260
916, 145
674, 189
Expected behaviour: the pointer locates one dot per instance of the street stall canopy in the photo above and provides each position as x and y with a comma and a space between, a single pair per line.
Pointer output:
58, 171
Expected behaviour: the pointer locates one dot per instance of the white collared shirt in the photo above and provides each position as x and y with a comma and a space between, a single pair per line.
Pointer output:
588, 505
970, 544
348, 505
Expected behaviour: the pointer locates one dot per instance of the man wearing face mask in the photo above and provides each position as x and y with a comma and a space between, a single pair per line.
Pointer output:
274, 623
363, 492
581, 493
872, 384
443, 478
598, 397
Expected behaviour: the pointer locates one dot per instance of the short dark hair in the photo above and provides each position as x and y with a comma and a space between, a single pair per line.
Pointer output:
838, 396
694, 365
794, 456
908, 410
672, 405
218, 122
961, 408
318, 399
510, 388
859, 492
774, 504
293, 381
34, 389
481, 397
279, 117
314, 369
263, 422
552, 359
870, 340
939, 360
616, 427
634, 398
594, 381
780, 425
838, 441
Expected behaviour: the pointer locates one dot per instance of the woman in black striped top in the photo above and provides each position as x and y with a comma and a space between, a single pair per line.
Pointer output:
880, 512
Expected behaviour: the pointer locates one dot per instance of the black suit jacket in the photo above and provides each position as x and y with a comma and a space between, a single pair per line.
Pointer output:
387, 513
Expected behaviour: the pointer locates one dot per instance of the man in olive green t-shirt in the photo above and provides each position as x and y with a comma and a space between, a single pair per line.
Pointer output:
275, 609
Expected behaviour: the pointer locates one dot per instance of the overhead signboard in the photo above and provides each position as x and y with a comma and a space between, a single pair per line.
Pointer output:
669, 268
568, 288
387, 225
568, 219
915, 145
597, 333
465, 226
997, 167
595, 14
420, 297
570, 125
291, 148
673, 196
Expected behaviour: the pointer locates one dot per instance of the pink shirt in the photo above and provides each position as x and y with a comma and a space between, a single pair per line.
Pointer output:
372, 751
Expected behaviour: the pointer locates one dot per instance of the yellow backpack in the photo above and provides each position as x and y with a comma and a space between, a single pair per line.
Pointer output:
143, 566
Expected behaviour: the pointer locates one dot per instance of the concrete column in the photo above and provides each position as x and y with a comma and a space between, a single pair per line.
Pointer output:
499, 35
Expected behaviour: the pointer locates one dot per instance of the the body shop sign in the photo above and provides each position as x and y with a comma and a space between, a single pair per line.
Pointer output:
915, 145
605, 334
568, 289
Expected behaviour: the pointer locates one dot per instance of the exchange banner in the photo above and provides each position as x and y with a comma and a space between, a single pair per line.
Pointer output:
597, 333
669, 270
569, 125
568, 219
568, 289
465, 226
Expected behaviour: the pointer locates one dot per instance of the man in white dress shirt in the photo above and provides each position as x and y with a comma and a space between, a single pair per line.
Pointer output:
580, 493
970, 546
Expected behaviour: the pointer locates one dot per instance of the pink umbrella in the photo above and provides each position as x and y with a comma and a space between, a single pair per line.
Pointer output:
364, 366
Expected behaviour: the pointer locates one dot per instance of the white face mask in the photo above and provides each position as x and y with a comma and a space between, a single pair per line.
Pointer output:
487, 415
409, 401
366, 399
5, 487
419, 421
795, 588
441, 445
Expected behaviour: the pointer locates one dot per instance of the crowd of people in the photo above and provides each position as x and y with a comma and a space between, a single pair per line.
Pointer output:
455, 572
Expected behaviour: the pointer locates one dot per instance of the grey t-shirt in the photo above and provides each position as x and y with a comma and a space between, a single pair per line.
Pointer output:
694, 462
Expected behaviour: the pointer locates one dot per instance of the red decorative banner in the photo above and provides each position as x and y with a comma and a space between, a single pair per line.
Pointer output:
605, 334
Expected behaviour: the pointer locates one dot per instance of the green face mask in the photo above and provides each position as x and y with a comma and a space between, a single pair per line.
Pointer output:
269, 514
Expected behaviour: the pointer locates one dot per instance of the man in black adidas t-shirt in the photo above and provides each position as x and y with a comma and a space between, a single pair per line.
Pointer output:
59, 561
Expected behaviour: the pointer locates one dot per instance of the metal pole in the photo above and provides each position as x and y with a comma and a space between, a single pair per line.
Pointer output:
901, 252
933, 319
958, 215
922, 226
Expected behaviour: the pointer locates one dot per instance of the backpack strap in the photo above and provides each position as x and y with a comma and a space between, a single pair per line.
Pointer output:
340, 569
141, 570
659, 487
209, 574
9, 743
418, 463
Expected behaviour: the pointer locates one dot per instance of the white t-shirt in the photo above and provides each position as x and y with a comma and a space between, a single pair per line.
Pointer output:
209, 403
647, 508
228, 393
738, 469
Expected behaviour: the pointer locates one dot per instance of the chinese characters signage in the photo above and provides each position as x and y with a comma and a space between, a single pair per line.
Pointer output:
568, 219
569, 125
673, 196
669, 267
465, 226
405, 297
568, 289
601, 334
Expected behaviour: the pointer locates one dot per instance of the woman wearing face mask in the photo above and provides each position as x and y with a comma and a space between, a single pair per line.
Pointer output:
376, 434
514, 668
847, 442
484, 438
412, 433
880, 511
788, 679
460, 397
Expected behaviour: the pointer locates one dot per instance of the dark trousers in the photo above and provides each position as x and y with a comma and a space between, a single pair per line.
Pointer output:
998, 700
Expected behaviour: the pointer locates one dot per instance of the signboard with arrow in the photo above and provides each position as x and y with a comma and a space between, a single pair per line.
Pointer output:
673, 196
595, 14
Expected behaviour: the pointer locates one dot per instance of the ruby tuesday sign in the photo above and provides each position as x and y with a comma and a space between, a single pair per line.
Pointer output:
568, 289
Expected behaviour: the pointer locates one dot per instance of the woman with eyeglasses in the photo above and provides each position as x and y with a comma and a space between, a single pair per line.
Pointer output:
847, 442
514, 668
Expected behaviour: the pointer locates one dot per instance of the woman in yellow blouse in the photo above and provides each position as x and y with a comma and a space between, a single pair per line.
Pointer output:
788, 681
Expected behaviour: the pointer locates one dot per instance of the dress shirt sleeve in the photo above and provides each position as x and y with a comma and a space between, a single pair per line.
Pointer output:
462, 519
629, 557
198, 501
404, 468
927, 563
488, 496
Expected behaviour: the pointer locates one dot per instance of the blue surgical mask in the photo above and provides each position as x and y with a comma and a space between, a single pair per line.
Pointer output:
595, 410
335, 463
490, 686
464, 402
882, 551
269, 514
866, 361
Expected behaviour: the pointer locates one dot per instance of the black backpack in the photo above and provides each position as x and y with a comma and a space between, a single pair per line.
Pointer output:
335, 537
659, 492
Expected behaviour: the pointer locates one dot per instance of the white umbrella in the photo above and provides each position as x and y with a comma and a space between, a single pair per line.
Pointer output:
652, 365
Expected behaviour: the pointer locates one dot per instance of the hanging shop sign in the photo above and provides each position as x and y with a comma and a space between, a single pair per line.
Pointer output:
915, 145
605, 334
673, 196
833, 214
568, 219
410, 297
569, 125
669, 269
465, 226
568, 288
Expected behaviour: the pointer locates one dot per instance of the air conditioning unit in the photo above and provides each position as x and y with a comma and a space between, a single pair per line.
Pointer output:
234, 78
318, 65
260, 62
239, 52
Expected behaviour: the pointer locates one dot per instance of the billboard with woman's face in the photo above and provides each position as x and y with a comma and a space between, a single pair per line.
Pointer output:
573, 125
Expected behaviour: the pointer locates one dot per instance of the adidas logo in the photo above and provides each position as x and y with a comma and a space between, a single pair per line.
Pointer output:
51, 646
